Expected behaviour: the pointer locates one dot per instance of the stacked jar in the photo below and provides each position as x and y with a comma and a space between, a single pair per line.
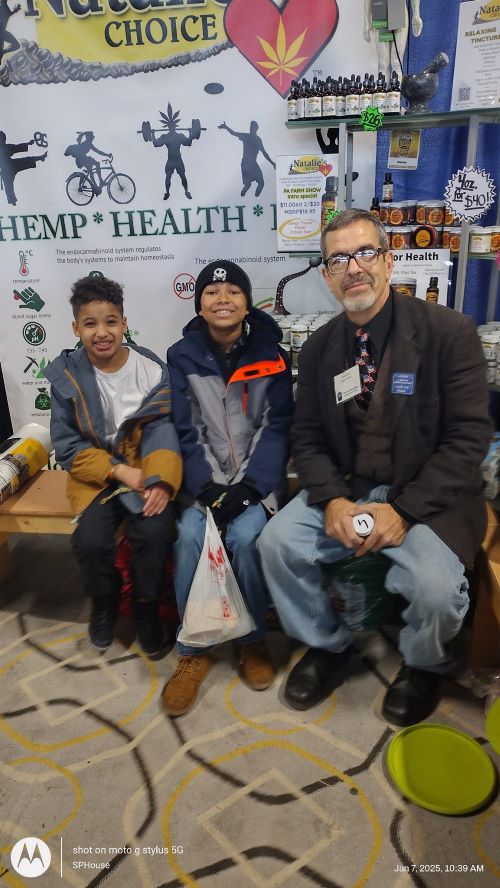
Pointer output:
421, 225
296, 328
489, 335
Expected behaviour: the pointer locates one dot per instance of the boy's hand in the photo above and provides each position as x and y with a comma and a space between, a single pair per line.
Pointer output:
133, 478
157, 498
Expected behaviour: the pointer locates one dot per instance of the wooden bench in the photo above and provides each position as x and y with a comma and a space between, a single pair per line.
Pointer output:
41, 506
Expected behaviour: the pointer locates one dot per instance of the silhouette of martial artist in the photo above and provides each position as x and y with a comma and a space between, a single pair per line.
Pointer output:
8, 42
250, 169
10, 166
173, 142
80, 151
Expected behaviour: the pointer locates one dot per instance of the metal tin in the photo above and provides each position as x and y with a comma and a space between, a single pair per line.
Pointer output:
426, 236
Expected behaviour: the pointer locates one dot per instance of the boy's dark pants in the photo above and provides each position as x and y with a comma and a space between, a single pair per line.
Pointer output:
95, 546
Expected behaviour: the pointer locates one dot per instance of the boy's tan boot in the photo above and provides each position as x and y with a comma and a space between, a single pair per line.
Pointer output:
181, 691
256, 666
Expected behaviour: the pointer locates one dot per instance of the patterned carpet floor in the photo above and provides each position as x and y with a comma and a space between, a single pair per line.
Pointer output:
242, 791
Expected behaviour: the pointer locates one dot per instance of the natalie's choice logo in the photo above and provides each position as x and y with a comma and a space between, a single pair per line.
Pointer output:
114, 31
79, 39
490, 12
309, 163
30, 857
184, 284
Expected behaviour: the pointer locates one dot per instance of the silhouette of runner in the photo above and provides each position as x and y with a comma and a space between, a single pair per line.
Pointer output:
8, 42
173, 141
10, 166
250, 169
80, 151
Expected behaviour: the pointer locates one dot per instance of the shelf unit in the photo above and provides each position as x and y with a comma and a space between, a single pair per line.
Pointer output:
471, 118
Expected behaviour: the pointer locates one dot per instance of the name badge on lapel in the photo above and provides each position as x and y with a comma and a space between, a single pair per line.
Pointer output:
403, 384
347, 384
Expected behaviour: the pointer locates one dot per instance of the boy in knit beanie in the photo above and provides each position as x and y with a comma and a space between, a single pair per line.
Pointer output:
232, 408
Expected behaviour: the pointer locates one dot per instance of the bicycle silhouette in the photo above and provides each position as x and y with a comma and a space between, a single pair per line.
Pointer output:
82, 187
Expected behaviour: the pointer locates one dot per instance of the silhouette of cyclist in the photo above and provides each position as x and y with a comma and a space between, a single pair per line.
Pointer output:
10, 166
250, 169
84, 160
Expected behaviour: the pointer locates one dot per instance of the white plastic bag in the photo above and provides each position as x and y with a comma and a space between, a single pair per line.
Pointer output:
215, 610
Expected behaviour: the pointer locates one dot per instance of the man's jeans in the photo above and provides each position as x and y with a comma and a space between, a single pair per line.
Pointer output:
241, 537
424, 571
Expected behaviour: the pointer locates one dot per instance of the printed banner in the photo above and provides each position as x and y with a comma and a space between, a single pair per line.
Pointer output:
139, 140
422, 273
476, 78
301, 182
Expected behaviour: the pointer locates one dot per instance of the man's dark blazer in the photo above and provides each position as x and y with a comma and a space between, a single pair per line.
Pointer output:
440, 434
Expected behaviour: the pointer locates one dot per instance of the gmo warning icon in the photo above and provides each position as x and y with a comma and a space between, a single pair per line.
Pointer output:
30, 857
184, 285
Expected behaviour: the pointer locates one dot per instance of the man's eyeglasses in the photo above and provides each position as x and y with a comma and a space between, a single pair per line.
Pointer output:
364, 258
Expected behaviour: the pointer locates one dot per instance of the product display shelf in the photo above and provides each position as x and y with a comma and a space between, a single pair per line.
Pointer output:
471, 118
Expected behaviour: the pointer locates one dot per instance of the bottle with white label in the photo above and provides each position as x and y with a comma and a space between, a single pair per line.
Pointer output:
378, 98
329, 102
365, 98
340, 99
393, 96
292, 102
352, 99
312, 106
387, 189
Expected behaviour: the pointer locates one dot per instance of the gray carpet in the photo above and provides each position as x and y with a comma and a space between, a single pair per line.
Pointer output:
242, 791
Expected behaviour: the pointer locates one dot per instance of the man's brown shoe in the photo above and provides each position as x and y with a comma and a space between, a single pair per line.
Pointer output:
181, 691
256, 666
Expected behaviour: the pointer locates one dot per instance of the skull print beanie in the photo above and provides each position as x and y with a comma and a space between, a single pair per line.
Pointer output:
222, 271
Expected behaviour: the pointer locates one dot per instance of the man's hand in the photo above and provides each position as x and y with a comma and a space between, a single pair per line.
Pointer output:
129, 476
157, 498
338, 522
389, 528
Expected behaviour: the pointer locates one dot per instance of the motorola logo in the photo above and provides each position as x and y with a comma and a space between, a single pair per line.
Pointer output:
30, 857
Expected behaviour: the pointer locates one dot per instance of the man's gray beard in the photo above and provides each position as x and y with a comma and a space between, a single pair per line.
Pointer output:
358, 303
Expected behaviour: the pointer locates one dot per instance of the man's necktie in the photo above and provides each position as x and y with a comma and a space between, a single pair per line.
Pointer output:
367, 369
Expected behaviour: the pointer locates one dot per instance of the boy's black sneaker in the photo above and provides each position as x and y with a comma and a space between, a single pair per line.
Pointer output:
103, 619
151, 635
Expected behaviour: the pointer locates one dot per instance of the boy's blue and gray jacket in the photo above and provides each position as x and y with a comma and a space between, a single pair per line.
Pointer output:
146, 439
239, 430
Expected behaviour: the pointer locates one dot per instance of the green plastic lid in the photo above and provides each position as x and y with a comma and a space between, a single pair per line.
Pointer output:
493, 725
440, 768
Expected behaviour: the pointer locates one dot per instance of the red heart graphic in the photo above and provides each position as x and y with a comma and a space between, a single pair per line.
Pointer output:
281, 43
325, 168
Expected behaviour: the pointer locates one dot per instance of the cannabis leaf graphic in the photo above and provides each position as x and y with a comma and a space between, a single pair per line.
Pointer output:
281, 58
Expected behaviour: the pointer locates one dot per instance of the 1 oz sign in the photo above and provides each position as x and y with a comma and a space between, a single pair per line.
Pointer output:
469, 194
